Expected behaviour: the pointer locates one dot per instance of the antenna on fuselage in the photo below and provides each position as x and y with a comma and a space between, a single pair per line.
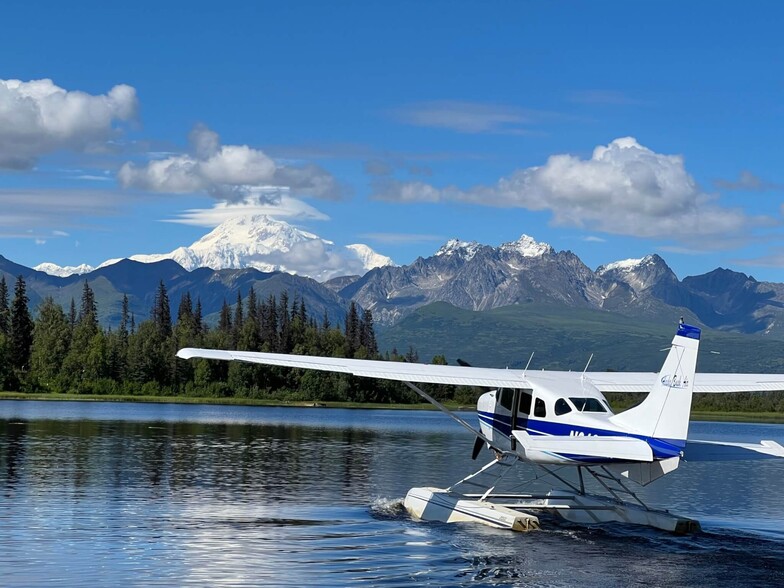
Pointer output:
529, 363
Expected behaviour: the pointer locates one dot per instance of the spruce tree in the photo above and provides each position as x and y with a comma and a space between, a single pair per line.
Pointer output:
72, 315
239, 318
124, 318
197, 314
118, 351
284, 337
250, 335
224, 323
269, 323
367, 335
352, 330
186, 330
5, 310
88, 316
161, 312
185, 310
253, 306
21, 328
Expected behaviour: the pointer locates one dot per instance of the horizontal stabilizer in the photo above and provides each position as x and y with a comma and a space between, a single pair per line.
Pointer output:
608, 447
724, 451
642, 382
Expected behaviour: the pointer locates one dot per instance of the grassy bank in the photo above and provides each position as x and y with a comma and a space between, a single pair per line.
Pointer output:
231, 401
738, 417
697, 415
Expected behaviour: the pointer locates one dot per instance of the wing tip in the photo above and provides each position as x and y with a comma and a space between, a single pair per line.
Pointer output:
186, 353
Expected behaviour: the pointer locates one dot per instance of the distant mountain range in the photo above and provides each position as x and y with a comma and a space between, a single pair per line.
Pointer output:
467, 275
140, 282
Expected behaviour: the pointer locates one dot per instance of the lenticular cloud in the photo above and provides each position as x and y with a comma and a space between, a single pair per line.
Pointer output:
38, 117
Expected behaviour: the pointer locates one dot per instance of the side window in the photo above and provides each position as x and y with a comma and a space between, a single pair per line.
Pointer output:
587, 404
525, 402
539, 409
506, 398
562, 407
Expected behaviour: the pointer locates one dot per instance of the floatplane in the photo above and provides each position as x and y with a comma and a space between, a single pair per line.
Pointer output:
561, 422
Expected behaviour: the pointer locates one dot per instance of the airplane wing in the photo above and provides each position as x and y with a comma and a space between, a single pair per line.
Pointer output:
385, 370
703, 382
697, 450
487, 377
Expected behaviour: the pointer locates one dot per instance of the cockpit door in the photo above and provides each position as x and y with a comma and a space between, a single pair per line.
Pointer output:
525, 399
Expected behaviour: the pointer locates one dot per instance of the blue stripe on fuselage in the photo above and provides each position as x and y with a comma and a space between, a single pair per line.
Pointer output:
500, 422
662, 448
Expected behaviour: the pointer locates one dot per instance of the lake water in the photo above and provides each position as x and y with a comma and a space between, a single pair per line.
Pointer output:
109, 494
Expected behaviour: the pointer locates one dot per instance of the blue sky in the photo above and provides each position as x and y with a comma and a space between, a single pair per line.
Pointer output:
614, 129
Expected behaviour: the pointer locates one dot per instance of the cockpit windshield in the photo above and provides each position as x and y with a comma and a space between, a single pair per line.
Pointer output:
587, 404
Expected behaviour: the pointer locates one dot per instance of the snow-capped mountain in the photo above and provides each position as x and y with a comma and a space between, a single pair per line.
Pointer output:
527, 247
63, 271
639, 274
368, 257
463, 249
266, 244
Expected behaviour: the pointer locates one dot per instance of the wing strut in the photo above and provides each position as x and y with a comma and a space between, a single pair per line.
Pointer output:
453, 416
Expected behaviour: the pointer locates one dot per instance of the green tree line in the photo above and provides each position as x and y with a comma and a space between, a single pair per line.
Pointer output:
70, 352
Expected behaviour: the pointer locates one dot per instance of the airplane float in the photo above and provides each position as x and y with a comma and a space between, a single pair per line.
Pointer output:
560, 421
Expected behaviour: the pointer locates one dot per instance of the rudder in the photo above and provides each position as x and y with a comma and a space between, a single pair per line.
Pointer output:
664, 414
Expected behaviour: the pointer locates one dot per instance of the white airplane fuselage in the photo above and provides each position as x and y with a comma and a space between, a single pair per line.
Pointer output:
584, 412
543, 418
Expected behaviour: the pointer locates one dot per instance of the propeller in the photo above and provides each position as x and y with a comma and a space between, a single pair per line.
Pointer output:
477, 447
479, 441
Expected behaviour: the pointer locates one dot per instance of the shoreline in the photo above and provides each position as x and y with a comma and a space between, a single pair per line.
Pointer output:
696, 415
228, 401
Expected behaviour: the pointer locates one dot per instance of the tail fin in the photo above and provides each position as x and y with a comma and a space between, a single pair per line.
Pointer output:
664, 413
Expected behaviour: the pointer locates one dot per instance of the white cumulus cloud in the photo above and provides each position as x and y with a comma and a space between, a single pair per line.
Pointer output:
227, 172
39, 117
624, 188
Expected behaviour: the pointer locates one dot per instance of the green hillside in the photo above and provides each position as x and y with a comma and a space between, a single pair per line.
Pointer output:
564, 338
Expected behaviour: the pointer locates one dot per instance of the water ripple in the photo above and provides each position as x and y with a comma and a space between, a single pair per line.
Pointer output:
117, 497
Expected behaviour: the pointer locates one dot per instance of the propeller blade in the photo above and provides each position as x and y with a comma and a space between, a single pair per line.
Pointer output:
477, 447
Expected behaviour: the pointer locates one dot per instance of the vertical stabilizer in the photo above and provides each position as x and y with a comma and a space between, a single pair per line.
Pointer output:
664, 413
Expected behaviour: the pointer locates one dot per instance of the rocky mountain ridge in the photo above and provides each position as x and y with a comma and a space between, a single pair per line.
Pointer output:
479, 277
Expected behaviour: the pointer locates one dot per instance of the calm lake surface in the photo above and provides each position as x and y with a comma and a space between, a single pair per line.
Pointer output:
109, 494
